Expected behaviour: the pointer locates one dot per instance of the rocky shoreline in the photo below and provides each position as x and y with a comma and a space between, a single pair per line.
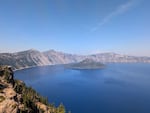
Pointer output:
16, 97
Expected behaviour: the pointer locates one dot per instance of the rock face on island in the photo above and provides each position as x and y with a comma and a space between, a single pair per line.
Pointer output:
87, 64
16, 97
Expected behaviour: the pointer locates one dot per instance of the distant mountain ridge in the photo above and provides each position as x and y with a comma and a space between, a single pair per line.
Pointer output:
30, 58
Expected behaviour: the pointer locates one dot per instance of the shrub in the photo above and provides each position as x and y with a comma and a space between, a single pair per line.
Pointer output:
2, 98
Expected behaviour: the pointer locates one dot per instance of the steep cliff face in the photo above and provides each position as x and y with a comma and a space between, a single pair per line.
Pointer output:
15, 97
32, 58
24, 59
62, 58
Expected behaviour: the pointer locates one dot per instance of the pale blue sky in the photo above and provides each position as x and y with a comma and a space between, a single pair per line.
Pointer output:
76, 26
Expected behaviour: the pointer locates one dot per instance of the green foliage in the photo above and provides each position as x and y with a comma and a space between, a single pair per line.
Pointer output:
1, 88
2, 98
29, 97
14, 106
7, 75
43, 100
19, 87
60, 109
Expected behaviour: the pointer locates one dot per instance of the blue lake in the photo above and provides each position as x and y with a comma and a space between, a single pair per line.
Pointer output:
118, 88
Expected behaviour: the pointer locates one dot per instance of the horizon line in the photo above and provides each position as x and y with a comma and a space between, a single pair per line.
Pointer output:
82, 54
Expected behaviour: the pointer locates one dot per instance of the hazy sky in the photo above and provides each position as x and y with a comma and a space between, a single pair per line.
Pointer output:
76, 26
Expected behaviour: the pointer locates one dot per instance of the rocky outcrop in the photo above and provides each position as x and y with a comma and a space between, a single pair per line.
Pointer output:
16, 97
86, 64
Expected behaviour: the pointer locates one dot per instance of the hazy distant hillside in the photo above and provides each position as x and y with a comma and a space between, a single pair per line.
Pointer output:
24, 59
113, 57
32, 57
62, 58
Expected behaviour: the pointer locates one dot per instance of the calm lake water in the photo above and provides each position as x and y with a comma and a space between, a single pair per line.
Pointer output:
119, 88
